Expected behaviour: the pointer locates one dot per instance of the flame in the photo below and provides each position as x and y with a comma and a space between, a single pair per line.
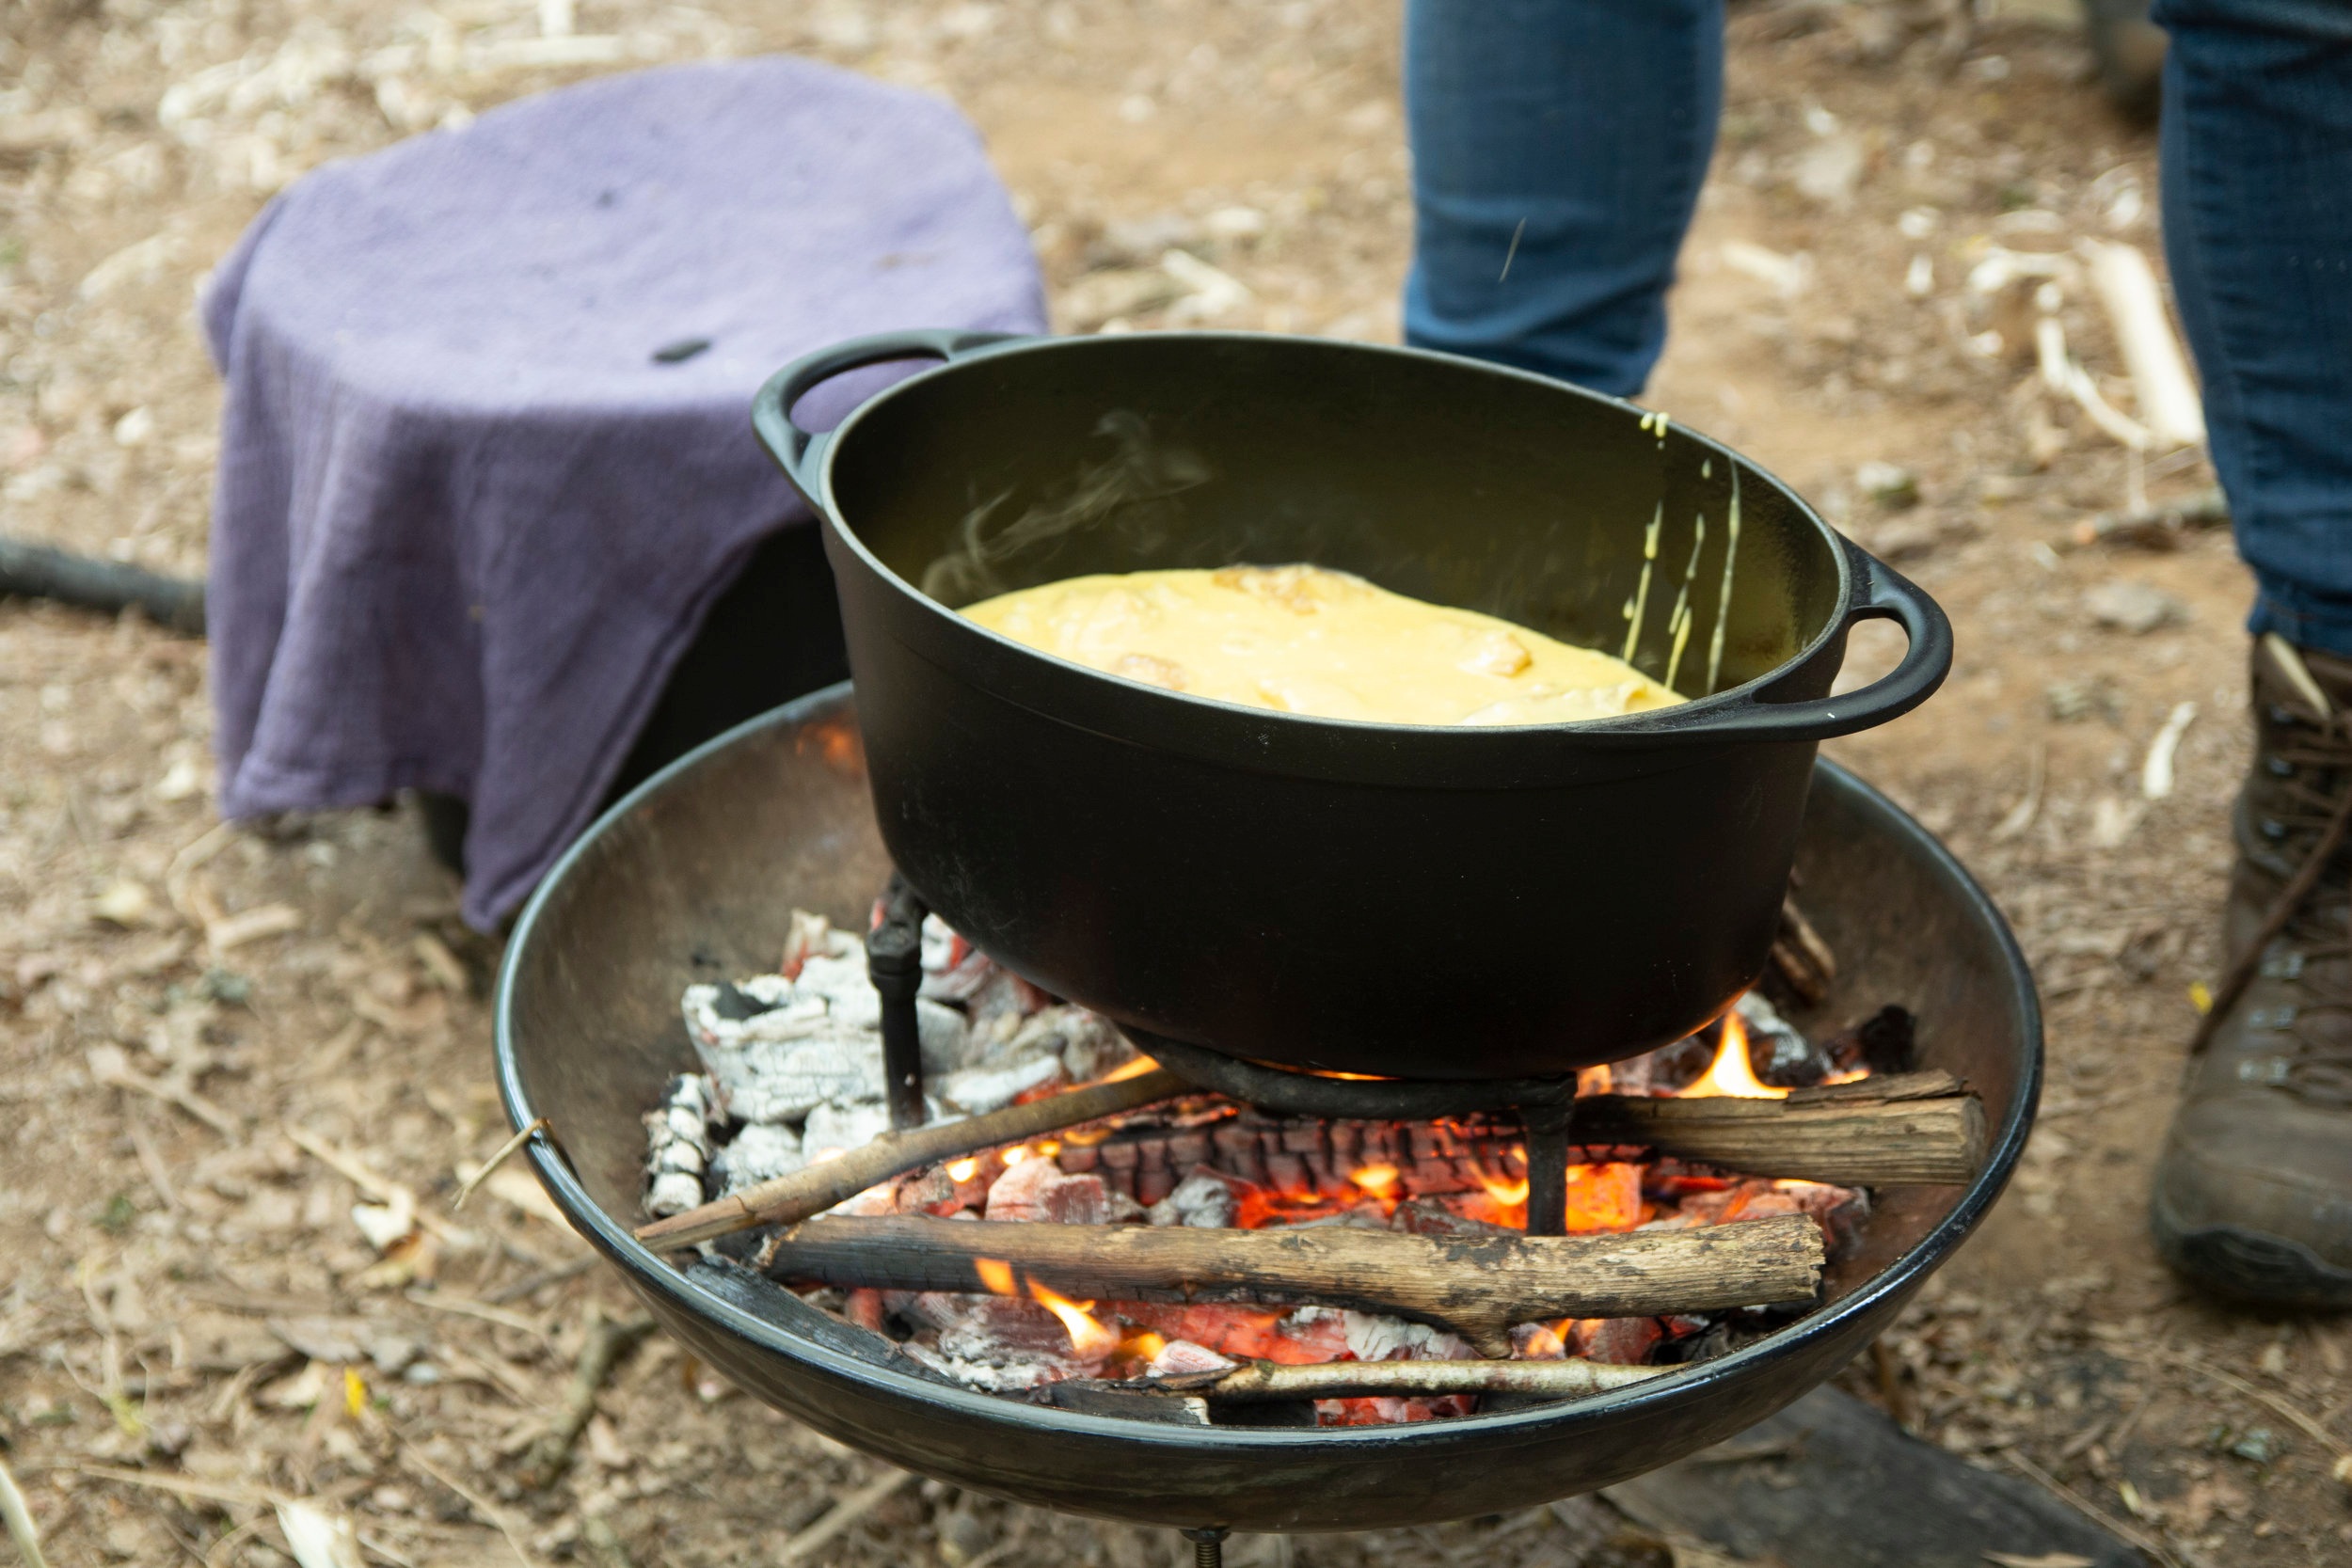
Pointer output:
1136, 1068
995, 1276
1378, 1179
1732, 1074
1596, 1080
1143, 1345
1014, 1155
1087, 1336
1511, 1194
963, 1171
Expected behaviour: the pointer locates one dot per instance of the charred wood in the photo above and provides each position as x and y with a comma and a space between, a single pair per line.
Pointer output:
1475, 1285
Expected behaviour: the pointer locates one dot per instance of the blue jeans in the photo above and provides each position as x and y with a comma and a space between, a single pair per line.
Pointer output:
1559, 146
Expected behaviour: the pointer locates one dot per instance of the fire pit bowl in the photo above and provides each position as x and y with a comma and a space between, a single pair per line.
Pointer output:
694, 876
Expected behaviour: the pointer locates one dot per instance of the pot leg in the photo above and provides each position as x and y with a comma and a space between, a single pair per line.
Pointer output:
894, 959
1208, 1547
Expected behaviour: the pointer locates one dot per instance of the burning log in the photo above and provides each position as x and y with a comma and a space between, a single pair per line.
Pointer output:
1475, 1285
1261, 1381
817, 1188
1914, 1127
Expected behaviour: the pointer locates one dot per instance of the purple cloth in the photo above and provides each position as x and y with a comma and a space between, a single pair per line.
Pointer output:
466, 523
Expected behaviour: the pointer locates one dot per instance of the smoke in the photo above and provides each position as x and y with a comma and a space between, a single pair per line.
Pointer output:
1129, 492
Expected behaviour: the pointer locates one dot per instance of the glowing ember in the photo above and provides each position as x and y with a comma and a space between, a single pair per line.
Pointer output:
1090, 1339
1732, 1074
1604, 1197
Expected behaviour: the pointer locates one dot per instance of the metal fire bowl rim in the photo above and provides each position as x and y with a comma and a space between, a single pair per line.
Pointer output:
649, 1272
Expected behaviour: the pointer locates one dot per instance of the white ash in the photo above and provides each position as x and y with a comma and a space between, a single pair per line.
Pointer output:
677, 1145
977, 1091
997, 1342
795, 1060
1374, 1336
835, 1129
761, 1152
1205, 1198
1179, 1356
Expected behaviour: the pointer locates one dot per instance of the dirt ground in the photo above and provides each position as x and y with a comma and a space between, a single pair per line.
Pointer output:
214, 1044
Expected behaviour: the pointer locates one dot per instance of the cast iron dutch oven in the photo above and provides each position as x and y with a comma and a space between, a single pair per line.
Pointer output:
1400, 900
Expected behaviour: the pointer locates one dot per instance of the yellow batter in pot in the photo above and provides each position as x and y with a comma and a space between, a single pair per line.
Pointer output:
1305, 640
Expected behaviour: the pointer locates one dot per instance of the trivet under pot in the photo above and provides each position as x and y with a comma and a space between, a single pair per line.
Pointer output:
694, 876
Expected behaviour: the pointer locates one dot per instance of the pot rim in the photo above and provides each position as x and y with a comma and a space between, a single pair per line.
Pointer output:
648, 1271
1695, 718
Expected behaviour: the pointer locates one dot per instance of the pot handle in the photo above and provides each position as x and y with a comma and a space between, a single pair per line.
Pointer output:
800, 452
1887, 595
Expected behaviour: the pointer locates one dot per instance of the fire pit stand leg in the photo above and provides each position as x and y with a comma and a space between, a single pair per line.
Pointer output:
1546, 1121
1208, 1547
894, 959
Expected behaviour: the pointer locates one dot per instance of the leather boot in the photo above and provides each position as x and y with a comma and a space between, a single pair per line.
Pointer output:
2253, 1196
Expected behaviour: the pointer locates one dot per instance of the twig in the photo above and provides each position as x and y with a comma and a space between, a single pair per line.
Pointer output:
19, 1517
152, 1162
607, 1343
2125, 284
505, 1149
110, 1066
2155, 774
531, 1284
487, 1311
816, 1188
848, 1512
2292, 1413
485, 1509
1256, 1381
2021, 816
2066, 1494
184, 1486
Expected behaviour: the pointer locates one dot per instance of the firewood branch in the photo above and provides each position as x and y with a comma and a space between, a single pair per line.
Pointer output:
1475, 1285
1866, 1134
816, 1188
1261, 1381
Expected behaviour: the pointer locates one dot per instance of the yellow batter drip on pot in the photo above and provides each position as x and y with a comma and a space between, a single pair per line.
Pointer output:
1305, 640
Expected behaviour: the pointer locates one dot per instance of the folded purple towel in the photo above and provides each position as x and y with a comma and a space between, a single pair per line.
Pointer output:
478, 480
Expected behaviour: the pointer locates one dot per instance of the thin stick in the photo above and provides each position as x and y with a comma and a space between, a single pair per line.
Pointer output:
2089, 1510
487, 1512
1259, 1381
608, 1343
531, 1284
1475, 1285
848, 1512
817, 1188
505, 1149
2292, 1413
19, 1517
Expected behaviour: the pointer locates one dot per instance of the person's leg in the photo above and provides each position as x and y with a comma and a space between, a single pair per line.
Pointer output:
1558, 150
2253, 1194
2257, 151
